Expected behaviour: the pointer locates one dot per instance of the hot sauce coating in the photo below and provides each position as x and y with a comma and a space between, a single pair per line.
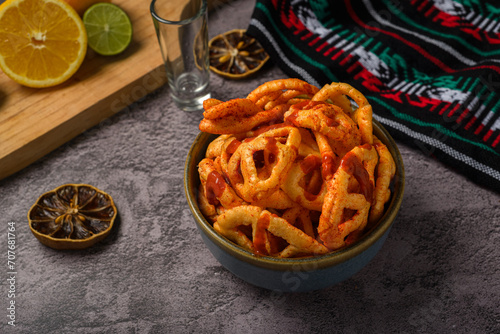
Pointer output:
259, 239
215, 187
288, 146
351, 164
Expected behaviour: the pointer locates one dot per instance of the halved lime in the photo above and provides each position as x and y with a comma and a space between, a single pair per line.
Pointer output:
109, 30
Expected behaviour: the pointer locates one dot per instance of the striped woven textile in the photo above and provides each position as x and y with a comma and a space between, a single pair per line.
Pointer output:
430, 68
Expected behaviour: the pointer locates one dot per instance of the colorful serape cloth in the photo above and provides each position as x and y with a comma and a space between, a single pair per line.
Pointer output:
430, 68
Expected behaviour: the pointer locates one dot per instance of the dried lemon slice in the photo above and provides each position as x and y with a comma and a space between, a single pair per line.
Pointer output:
72, 216
236, 55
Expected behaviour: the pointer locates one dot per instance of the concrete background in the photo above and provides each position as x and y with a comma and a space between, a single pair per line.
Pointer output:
438, 272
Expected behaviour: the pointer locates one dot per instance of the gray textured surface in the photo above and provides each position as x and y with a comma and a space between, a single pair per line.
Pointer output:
438, 272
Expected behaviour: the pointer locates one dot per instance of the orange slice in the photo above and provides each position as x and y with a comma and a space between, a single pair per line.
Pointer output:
236, 55
42, 42
72, 216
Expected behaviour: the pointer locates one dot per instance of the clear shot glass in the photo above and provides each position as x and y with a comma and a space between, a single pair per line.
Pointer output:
182, 31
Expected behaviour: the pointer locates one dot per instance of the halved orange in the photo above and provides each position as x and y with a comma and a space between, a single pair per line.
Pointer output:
42, 42
72, 216
236, 55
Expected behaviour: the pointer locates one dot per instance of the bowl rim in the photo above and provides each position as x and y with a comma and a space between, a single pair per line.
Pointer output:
197, 152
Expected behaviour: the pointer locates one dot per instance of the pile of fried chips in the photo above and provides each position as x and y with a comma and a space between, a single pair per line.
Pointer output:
296, 170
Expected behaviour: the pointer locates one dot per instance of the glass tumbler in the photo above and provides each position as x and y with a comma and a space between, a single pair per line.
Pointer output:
182, 31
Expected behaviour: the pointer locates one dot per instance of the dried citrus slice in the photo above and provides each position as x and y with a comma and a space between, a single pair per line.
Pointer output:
42, 42
236, 55
72, 216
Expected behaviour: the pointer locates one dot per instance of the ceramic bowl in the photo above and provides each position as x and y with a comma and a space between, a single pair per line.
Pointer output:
295, 274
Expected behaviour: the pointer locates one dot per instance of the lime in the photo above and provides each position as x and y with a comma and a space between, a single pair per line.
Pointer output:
109, 30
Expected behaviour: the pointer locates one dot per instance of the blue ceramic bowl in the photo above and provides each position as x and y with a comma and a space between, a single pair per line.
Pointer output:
296, 274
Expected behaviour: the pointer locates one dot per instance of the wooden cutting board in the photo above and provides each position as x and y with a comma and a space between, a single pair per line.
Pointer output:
33, 122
